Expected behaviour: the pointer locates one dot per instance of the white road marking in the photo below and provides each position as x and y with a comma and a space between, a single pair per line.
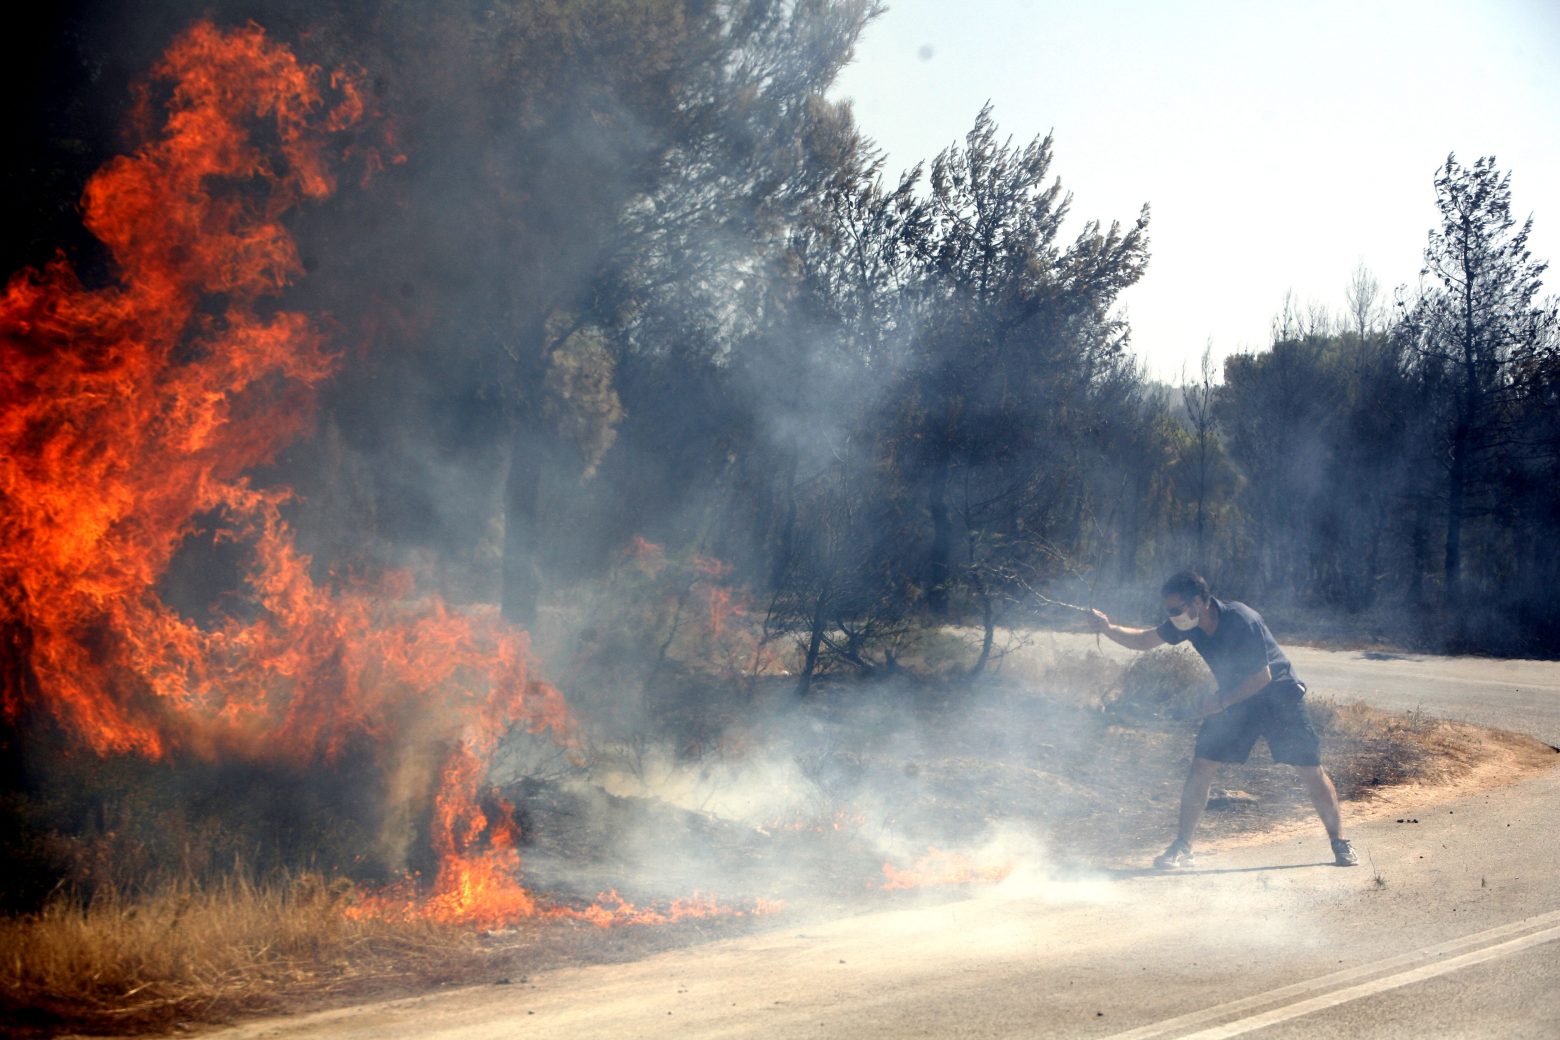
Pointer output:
1330, 990
1342, 996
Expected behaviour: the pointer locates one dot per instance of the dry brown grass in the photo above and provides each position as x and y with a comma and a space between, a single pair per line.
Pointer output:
1370, 749
210, 953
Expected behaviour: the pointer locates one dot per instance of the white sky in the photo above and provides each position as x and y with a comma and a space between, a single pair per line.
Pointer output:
1279, 145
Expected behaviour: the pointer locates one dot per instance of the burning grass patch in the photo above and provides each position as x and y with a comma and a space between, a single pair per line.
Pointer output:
202, 953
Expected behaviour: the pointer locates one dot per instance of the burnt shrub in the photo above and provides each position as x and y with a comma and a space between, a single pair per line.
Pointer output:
1161, 684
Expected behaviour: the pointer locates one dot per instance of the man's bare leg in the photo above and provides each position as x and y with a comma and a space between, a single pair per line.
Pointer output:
1194, 796
1324, 796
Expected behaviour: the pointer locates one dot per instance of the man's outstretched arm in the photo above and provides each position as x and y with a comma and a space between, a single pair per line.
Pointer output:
1131, 638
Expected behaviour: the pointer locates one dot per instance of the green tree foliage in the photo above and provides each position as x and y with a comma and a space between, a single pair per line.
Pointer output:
824, 523
1414, 464
1012, 333
736, 151
926, 380
1320, 429
626, 270
1478, 336
1150, 452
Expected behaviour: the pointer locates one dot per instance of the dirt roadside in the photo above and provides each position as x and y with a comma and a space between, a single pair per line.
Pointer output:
1035, 956
1088, 786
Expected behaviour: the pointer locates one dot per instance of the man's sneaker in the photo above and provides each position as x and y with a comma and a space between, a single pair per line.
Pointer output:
1179, 854
1343, 853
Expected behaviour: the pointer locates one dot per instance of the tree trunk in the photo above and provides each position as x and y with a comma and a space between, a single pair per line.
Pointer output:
939, 563
1201, 559
1131, 525
814, 642
1455, 489
1462, 435
989, 631
784, 544
1419, 552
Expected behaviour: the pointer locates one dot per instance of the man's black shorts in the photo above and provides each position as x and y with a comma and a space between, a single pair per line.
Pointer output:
1276, 713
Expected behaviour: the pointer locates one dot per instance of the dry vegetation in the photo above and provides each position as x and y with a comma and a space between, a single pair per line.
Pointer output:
1086, 748
209, 951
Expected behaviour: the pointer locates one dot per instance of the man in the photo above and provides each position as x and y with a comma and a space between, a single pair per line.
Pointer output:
1257, 695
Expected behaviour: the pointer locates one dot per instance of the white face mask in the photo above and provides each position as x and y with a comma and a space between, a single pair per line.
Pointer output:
1184, 620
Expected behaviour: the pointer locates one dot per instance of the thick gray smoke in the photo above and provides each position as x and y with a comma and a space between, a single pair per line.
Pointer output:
641, 348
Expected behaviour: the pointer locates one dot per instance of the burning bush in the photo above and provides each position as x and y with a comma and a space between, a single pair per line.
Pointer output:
667, 646
135, 413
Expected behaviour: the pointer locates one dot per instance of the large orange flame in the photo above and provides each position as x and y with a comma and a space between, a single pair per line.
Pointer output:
132, 410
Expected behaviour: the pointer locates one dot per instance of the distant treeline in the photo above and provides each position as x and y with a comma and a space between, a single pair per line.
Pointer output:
637, 276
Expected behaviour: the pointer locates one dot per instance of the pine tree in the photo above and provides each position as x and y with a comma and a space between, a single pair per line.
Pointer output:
1472, 328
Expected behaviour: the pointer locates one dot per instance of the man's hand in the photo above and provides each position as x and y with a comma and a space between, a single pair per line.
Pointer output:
1210, 703
1131, 638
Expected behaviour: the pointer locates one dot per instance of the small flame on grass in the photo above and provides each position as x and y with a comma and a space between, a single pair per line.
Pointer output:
483, 891
842, 820
939, 867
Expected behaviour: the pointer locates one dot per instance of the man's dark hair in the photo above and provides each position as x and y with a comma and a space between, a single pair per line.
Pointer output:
1187, 585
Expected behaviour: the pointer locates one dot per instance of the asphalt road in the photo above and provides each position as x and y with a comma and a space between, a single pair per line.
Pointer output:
1523, 696
1450, 928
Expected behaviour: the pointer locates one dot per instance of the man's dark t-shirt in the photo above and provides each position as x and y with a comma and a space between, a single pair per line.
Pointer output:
1238, 648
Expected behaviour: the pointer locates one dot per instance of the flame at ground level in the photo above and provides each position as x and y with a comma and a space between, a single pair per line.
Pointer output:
939, 867
484, 891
